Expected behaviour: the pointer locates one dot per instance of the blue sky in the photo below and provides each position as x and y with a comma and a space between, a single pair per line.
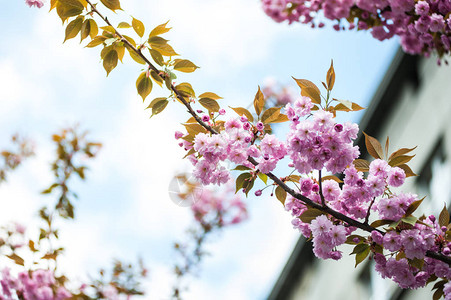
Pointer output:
124, 208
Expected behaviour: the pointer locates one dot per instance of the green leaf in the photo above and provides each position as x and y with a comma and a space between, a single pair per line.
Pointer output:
373, 146
123, 25
242, 111
160, 29
68, 8
143, 85
73, 28
330, 78
138, 26
185, 65
413, 207
98, 40
94, 29
156, 78
110, 61
309, 89
210, 95
135, 56
240, 181
361, 255
185, 89
310, 214
248, 185
241, 168
350, 239
443, 218
85, 30
281, 194
157, 57
270, 115
156, 100
410, 220
259, 102
210, 104
111, 4
159, 107
379, 223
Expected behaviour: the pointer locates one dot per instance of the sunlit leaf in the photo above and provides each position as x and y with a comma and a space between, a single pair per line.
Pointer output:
270, 114
310, 214
111, 4
210, 95
281, 194
123, 25
160, 29
157, 57
209, 104
309, 89
185, 65
138, 26
443, 218
159, 107
73, 28
242, 111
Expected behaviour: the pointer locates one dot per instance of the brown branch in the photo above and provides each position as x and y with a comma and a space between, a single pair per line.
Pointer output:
323, 201
351, 222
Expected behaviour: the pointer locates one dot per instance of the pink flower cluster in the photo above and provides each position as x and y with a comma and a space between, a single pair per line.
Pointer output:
413, 243
423, 26
326, 237
225, 208
33, 285
319, 142
37, 3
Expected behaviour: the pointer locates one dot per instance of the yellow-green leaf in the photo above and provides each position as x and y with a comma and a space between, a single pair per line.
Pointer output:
281, 194
160, 29
72, 4
156, 78
123, 25
185, 89
154, 101
110, 61
85, 29
159, 107
111, 4
73, 28
94, 29
310, 214
138, 26
143, 85
209, 104
65, 10
210, 95
185, 65
157, 57
259, 101
309, 89
164, 49
242, 111
98, 40
135, 56
241, 181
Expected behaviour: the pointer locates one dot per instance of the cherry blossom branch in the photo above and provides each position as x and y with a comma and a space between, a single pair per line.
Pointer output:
151, 66
324, 208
